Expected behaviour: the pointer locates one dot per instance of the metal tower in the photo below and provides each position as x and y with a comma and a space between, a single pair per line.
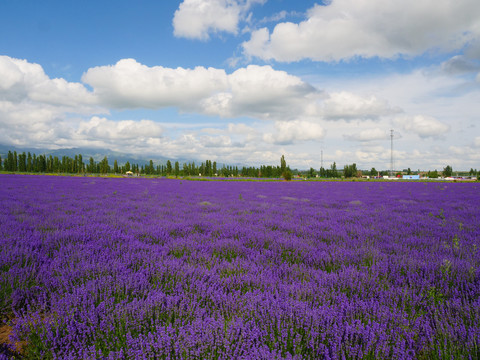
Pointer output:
391, 153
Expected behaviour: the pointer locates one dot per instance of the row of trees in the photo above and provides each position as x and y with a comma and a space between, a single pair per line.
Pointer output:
27, 162
32, 163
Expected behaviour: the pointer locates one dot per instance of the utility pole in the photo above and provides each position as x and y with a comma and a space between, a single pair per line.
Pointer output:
391, 153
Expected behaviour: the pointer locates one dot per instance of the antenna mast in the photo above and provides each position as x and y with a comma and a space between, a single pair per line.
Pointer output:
391, 153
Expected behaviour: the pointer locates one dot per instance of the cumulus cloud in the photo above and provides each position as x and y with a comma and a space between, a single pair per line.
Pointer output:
102, 128
37, 111
423, 126
24, 81
34, 109
368, 135
348, 106
258, 91
254, 91
343, 29
241, 129
197, 19
30, 124
289, 132
129, 84
216, 141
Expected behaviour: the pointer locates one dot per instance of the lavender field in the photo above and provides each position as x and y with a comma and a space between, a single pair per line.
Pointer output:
94, 268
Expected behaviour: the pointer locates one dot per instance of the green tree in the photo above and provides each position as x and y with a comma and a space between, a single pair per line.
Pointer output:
287, 175
22, 162
56, 164
92, 166
42, 163
332, 172
169, 167
177, 168
208, 168
150, 169
9, 163
34, 163
81, 165
433, 174
15, 161
104, 167
350, 170
115, 166
75, 165
29, 162
447, 171
283, 165
322, 172
373, 172
127, 166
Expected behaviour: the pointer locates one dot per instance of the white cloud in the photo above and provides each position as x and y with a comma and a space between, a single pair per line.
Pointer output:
261, 91
344, 29
109, 130
34, 109
368, 135
277, 16
254, 91
37, 111
294, 131
423, 126
348, 106
241, 129
257, 91
196, 19
220, 141
129, 84
24, 81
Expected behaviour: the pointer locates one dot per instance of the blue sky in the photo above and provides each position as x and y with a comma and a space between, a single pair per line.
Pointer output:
245, 81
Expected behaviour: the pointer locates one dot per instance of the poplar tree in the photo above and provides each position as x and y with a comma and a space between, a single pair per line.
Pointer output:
283, 164
177, 168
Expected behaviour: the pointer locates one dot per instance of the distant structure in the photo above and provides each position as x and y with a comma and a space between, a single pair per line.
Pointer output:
391, 153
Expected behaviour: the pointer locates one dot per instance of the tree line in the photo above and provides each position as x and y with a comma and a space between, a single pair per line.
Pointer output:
32, 163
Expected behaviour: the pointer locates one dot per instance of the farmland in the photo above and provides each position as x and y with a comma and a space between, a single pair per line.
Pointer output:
170, 269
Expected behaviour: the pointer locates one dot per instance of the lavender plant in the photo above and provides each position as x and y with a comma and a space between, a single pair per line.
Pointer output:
96, 268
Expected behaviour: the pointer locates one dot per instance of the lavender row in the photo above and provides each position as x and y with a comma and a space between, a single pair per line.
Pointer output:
153, 268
